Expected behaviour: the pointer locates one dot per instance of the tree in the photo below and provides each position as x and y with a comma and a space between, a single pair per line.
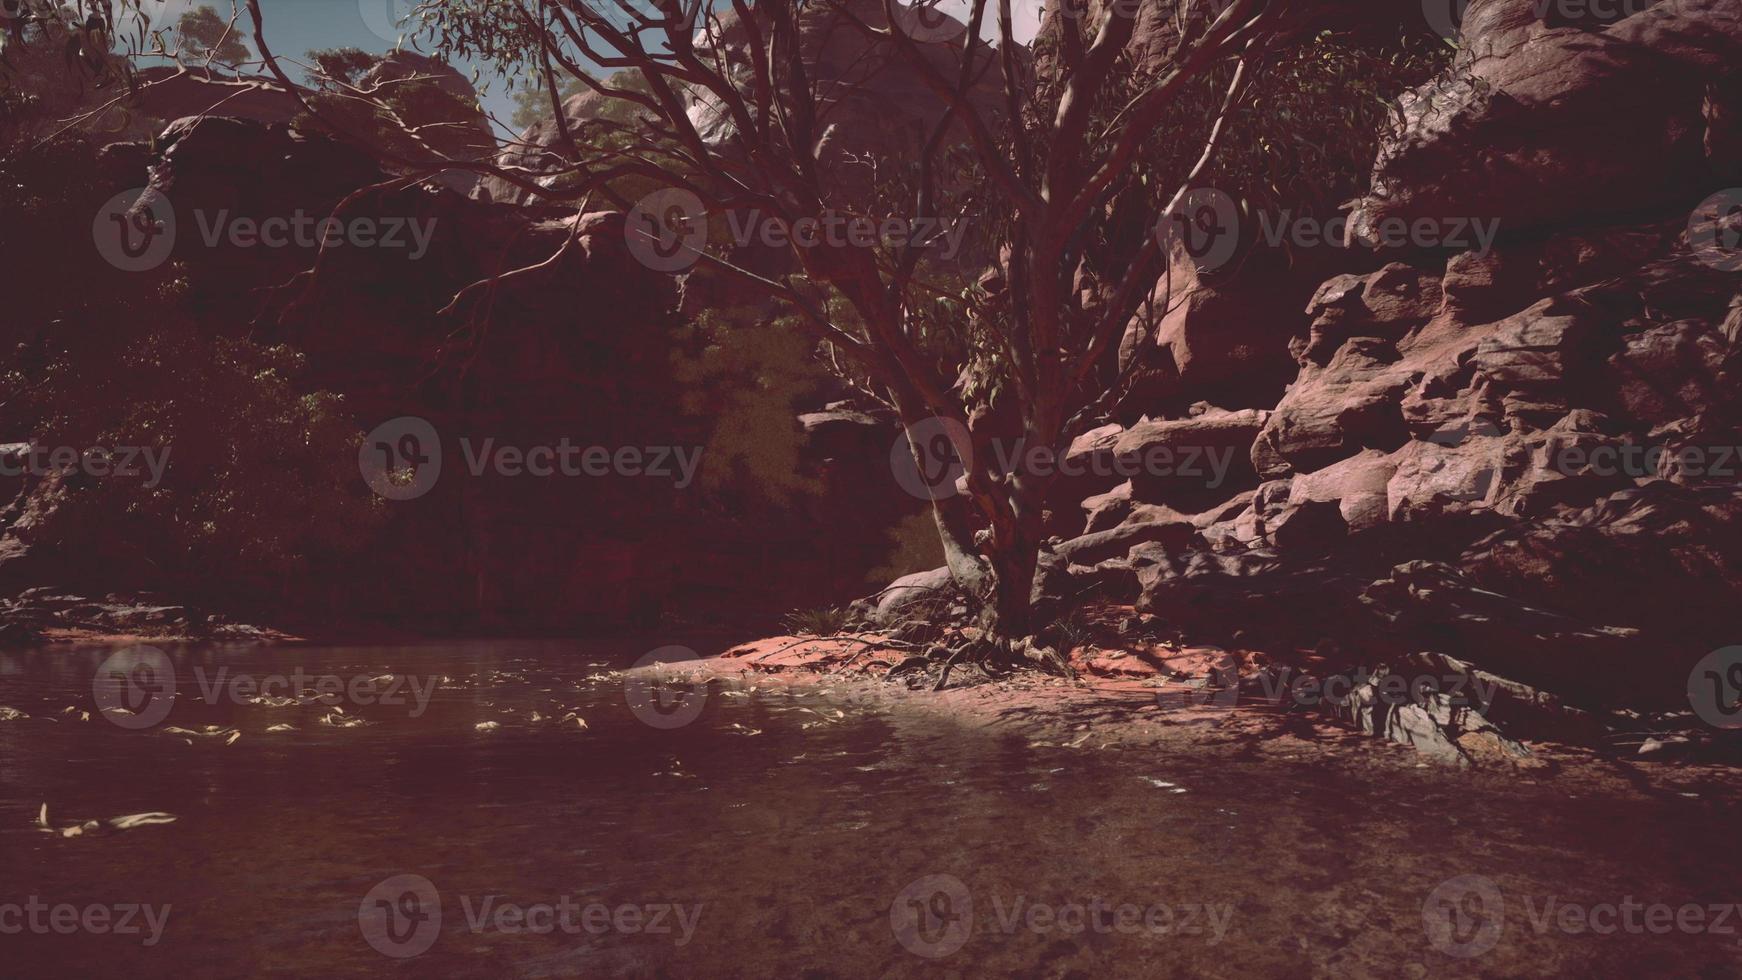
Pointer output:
1047, 162
533, 102
730, 107
209, 38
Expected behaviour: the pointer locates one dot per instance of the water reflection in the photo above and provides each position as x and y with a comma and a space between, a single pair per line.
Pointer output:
792, 831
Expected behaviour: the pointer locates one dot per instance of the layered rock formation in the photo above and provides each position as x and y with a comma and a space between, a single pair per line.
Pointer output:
1523, 458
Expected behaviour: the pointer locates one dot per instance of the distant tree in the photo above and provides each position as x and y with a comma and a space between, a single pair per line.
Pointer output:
339, 66
532, 102
206, 36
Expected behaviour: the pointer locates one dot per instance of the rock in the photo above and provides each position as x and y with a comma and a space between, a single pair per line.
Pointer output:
1433, 478
1359, 486
1659, 556
917, 595
1191, 463
1671, 371
1221, 337
1387, 304
1541, 125
1092, 549
1108, 509
1088, 469
1309, 526
433, 95
1430, 605
1446, 728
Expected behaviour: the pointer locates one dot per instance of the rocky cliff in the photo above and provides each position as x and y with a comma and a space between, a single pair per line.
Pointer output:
1523, 457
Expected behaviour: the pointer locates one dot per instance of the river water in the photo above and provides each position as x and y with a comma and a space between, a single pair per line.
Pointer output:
474, 830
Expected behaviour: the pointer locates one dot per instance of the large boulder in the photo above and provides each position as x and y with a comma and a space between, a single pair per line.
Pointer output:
1191, 463
1548, 121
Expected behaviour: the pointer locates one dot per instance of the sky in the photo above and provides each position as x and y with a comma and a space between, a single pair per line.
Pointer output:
297, 26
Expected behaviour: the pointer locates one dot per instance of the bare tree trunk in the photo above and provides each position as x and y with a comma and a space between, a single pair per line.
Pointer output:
1014, 554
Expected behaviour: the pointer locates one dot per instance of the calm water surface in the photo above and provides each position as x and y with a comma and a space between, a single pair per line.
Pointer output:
783, 834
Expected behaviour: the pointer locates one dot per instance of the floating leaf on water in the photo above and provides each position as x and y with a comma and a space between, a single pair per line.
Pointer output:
133, 820
113, 824
273, 701
487, 726
11, 714
281, 727
210, 731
